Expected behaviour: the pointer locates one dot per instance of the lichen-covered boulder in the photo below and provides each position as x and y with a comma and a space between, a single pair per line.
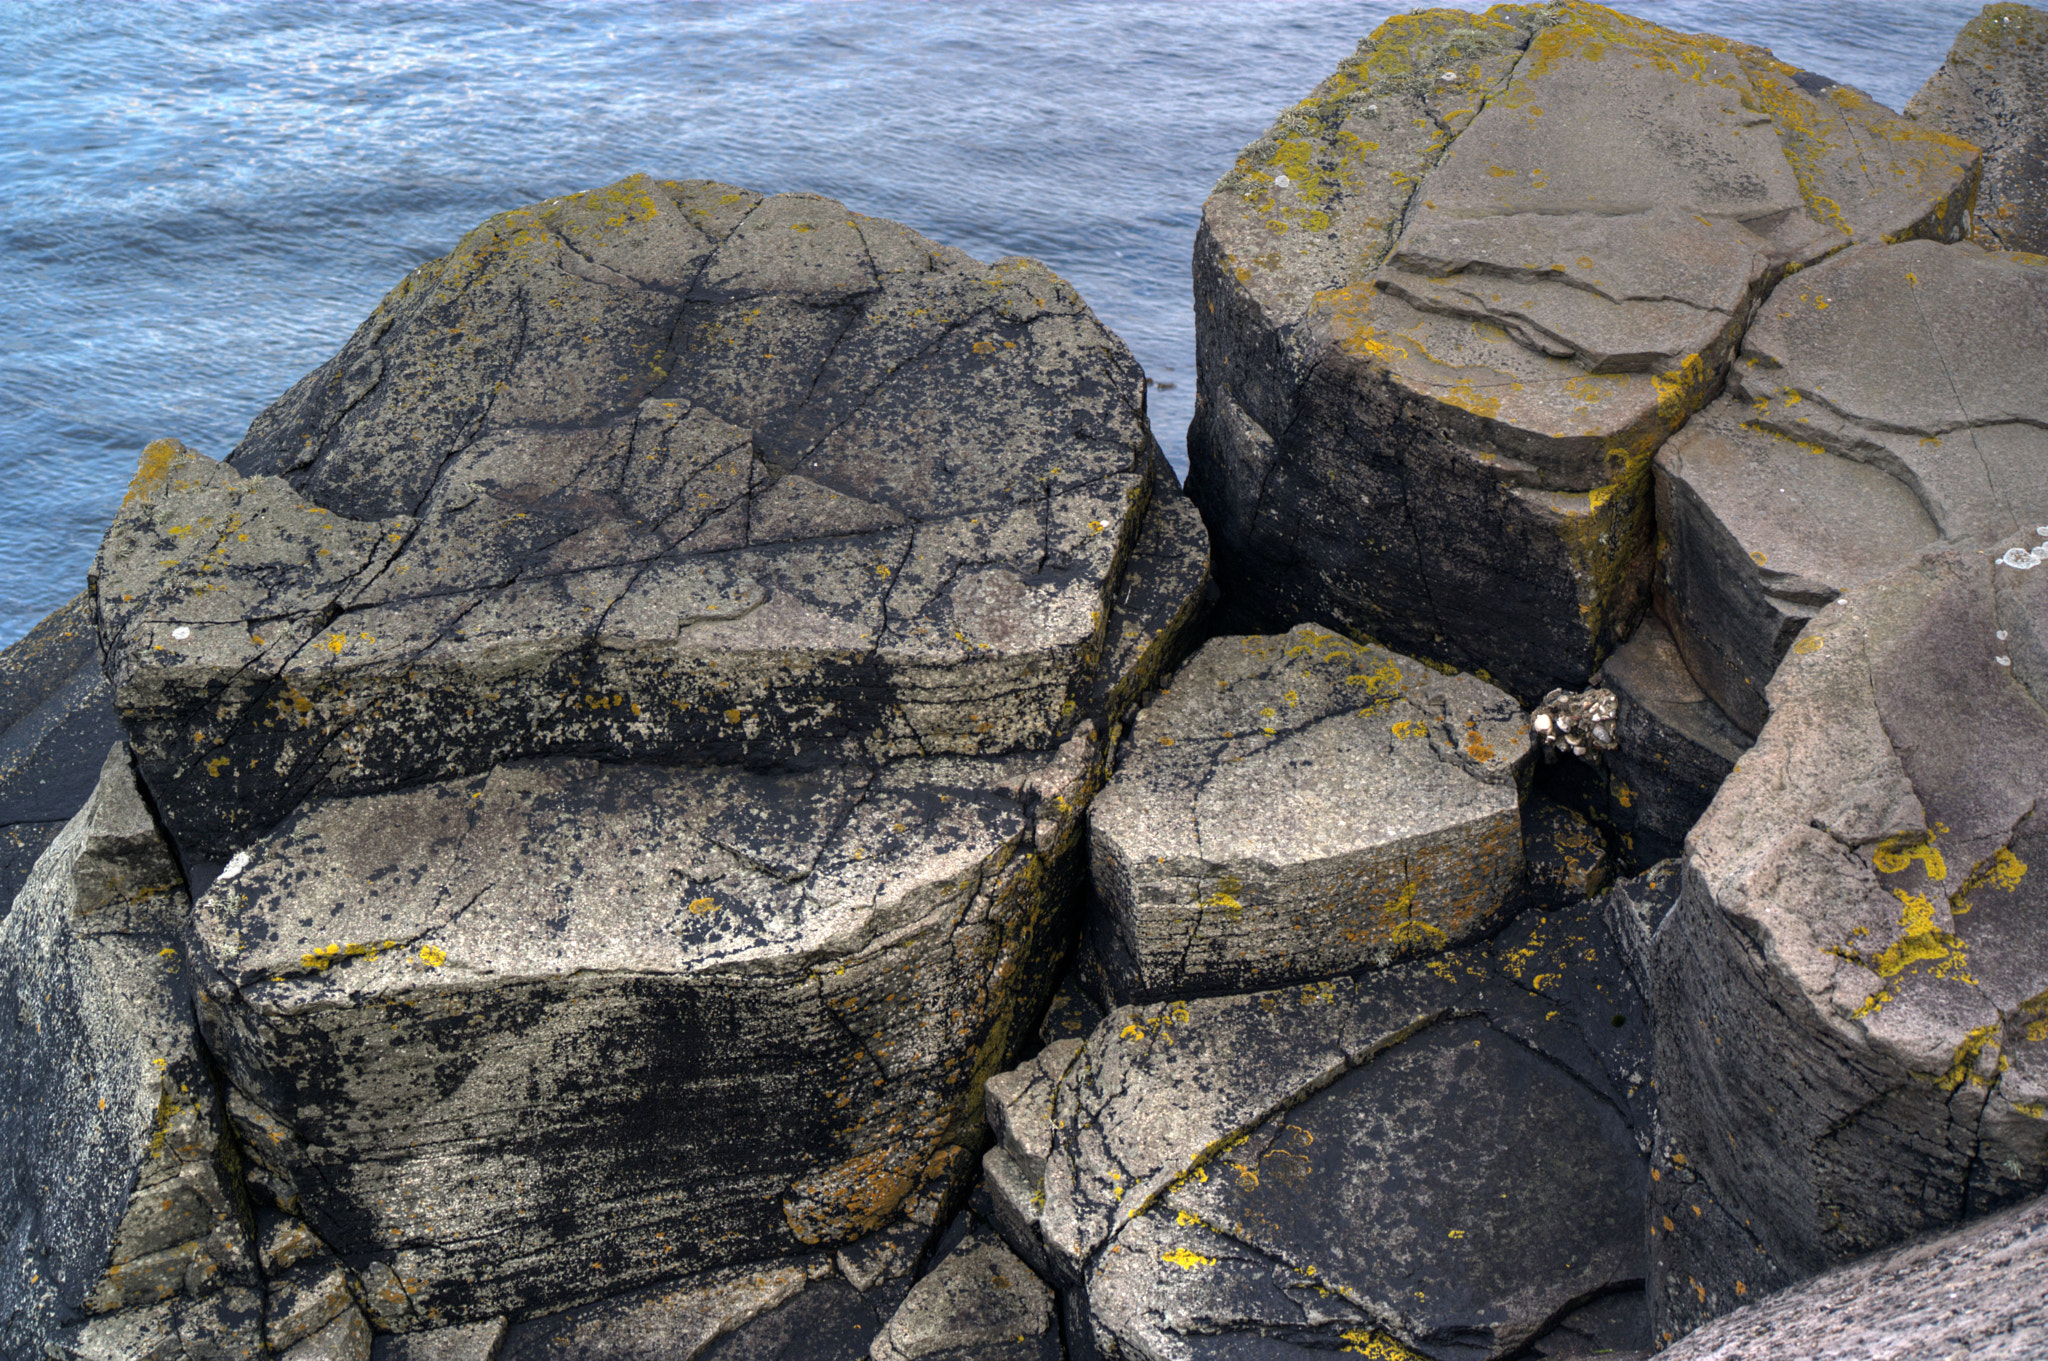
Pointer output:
1451, 304
635, 710
1993, 91
1443, 1159
1852, 990
1979, 1292
1299, 805
664, 471
978, 1303
1885, 400
125, 1225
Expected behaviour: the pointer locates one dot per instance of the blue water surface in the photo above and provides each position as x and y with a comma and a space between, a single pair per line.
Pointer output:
199, 201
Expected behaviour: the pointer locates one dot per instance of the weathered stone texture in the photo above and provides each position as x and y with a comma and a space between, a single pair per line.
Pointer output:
1300, 805
1979, 1292
125, 1219
979, 1303
1885, 400
1444, 1156
1993, 91
1850, 991
665, 470
1451, 304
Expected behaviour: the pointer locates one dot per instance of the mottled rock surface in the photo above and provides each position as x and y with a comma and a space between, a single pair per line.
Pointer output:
663, 471
1450, 305
1884, 400
979, 1303
1979, 1292
1445, 1156
124, 1220
1852, 990
1993, 91
56, 721
1298, 805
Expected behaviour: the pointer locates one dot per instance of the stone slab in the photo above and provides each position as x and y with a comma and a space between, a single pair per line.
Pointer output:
1993, 91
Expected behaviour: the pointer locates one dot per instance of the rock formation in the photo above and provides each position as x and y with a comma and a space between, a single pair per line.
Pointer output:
1993, 91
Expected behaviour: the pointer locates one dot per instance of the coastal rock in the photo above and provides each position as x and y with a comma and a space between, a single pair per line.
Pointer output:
664, 471
1980, 1292
977, 1304
1301, 805
125, 1226
1451, 304
1993, 92
676, 1320
1231, 1173
1851, 989
56, 721
1885, 400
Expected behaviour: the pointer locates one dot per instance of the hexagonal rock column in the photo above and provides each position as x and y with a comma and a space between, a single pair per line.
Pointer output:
641, 698
1299, 806
1887, 399
1993, 91
662, 471
1443, 1158
1450, 304
1852, 991
125, 1223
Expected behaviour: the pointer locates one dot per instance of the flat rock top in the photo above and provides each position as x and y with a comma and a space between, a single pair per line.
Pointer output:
1307, 745
561, 866
1882, 840
671, 417
1565, 214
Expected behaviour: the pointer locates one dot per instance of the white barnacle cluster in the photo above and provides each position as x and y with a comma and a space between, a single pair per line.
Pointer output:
1579, 722
2026, 558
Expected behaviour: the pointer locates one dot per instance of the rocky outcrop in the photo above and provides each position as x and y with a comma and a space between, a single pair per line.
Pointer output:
126, 1225
1444, 1155
631, 715
1886, 400
1977, 1292
56, 722
1299, 806
978, 1303
1993, 92
1850, 991
1452, 303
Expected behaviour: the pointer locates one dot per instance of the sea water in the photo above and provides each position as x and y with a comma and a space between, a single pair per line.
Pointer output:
199, 202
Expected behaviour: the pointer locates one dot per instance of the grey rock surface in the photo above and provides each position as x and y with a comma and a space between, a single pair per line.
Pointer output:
1851, 988
1885, 400
1445, 1157
1993, 91
1299, 805
1451, 304
829, 1321
464, 1342
1979, 1292
125, 1221
980, 1303
679, 1320
56, 721
667, 470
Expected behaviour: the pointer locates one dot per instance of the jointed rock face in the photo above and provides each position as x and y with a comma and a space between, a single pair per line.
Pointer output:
681, 795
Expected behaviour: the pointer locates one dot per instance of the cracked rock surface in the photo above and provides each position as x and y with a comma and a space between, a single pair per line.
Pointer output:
632, 715
1445, 1156
125, 1224
1852, 990
1299, 805
666, 470
1887, 399
1452, 303
1993, 91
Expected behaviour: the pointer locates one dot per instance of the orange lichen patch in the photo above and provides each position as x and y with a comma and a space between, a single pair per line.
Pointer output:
1377, 1347
853, 1198
1896, 853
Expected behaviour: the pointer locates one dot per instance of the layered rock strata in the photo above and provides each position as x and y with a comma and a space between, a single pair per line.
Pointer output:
1851, 989
1993, 92
631, 714
1300, 805
1450, 305
1445, 1156
1888, 399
